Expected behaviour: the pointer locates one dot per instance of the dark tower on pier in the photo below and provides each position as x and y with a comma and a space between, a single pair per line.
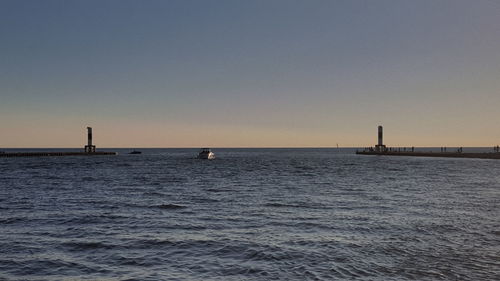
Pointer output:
89, 148
380, 147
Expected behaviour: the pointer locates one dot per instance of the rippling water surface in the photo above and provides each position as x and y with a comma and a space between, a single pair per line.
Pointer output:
250, 214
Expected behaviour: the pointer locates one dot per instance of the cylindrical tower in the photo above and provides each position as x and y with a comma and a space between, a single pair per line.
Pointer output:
89, 148
380, 136
89, 134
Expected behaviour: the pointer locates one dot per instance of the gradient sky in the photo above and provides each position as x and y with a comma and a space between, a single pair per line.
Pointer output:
260, 73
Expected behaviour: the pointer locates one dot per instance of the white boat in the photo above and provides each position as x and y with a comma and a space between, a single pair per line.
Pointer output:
205, 153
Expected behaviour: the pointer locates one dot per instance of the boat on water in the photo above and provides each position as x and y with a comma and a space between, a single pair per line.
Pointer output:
135, 152
206, 153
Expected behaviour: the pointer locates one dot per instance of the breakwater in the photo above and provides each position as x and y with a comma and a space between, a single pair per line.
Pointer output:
42, 154
381, 149
486, 155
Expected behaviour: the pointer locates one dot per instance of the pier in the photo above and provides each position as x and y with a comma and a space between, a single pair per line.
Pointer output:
41, 154
383, 150
89, 150
484, 155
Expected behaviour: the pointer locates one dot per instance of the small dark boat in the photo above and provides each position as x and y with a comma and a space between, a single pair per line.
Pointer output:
135, 152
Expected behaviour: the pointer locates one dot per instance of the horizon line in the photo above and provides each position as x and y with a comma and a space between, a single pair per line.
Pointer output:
243, 147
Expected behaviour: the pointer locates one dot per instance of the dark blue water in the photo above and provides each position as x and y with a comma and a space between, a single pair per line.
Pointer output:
250, 214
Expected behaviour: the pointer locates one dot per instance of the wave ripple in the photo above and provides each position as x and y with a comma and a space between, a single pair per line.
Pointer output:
254, 214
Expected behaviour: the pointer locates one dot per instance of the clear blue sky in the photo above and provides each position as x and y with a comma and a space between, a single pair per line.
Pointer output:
249, 73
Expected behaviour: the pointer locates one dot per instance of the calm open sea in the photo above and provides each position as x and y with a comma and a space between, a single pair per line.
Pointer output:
250, 214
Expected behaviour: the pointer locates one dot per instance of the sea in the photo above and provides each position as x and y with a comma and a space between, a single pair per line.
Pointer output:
249, 214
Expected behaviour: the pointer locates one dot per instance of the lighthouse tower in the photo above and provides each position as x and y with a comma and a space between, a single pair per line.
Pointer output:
380, 147
89, 148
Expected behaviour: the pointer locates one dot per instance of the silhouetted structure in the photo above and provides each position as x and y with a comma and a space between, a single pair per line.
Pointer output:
40, 154
89, 148
380, 147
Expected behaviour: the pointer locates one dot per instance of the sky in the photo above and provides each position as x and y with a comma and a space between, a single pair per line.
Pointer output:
260, 73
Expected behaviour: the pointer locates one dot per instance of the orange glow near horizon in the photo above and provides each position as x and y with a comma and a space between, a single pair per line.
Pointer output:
302, 75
